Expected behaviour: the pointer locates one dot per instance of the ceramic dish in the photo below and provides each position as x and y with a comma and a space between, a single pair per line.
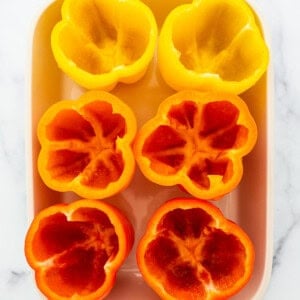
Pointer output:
250, 205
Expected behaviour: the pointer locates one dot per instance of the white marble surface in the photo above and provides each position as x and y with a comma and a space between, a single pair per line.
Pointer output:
16, 16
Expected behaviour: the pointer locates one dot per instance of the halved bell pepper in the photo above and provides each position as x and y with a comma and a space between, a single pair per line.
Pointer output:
191, 251
100, 43
197, 140
212, 44
77, 249
86, 145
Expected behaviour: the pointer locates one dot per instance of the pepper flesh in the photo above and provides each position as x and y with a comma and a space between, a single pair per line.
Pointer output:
86, 145
77, 249
197, 140
100, 43
212, 45
191, 251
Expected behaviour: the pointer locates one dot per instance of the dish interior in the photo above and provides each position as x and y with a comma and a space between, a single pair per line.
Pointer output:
247, 205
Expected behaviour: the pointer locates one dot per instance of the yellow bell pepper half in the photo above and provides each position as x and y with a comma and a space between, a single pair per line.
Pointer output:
212, 45
99, 43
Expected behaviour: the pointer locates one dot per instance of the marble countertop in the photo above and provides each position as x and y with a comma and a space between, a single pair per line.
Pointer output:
16, 17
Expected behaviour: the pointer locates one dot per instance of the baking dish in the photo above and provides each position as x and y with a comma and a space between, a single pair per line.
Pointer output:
250, 205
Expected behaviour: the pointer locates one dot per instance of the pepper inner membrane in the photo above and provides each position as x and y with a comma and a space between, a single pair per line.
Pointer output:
83, 144
188, 255
220, 43
74, 252
107, 36
198, 138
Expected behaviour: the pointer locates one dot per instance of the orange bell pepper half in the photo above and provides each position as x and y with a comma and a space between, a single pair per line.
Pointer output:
77, 249
86, 145
197, 140
191, 251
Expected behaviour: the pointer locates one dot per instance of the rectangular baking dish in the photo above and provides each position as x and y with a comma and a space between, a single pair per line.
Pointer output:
250, 205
